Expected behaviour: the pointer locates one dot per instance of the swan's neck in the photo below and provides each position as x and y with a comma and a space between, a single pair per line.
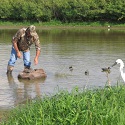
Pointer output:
121, 69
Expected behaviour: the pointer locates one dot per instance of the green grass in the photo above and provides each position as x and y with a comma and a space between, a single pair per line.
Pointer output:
89, 107
58, 23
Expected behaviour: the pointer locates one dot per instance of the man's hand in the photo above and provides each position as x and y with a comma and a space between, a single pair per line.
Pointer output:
36, 57
16, 49
35, 60
19, 54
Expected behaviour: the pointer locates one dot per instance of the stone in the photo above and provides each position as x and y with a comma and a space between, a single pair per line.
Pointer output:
32, 74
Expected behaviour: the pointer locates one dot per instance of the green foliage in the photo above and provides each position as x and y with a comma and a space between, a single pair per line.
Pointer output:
62, 10
89, 107
5, 9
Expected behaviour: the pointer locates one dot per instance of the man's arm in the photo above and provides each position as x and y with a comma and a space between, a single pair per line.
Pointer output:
38, 49
36, 57
16, 37
16, 49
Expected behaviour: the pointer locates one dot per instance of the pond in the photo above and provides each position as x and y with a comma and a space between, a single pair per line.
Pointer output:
83, 49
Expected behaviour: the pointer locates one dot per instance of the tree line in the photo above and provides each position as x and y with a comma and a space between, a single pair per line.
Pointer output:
62, 10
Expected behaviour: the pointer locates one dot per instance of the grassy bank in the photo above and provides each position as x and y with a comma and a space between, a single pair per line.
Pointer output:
58, 23
91, 107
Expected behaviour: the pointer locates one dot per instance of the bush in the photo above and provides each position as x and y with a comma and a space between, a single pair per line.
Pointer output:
64, 11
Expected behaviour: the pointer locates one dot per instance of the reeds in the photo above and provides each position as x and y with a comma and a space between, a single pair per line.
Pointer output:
90, 107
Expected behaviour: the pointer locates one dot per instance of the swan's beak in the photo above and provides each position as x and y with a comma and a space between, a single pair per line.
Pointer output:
114, 64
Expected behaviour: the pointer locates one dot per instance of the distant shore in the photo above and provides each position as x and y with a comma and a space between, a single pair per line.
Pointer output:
58, 25
65, 27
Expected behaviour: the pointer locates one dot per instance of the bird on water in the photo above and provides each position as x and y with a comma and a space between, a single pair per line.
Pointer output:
86, 72
71, 68
107, 70
119, 61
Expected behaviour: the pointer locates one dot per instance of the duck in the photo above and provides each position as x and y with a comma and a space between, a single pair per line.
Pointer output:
107, 70
71, 68
86, 72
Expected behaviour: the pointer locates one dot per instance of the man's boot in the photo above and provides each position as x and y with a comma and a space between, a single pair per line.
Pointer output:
9, 69
27, 69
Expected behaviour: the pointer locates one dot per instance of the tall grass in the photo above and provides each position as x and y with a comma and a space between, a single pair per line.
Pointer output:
90, 107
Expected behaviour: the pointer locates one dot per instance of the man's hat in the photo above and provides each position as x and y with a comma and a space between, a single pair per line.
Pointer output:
31, 29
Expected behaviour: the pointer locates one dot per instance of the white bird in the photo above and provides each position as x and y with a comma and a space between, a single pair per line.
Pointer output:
109, 26
119, 61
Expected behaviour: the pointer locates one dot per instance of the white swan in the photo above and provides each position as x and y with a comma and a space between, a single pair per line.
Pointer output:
119, 61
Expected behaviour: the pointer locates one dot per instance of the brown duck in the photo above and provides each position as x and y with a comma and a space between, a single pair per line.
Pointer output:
107, 70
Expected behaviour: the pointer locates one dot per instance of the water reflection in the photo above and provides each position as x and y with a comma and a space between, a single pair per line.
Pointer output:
23, 93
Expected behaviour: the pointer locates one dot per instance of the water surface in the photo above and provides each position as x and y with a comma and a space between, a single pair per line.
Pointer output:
61, 48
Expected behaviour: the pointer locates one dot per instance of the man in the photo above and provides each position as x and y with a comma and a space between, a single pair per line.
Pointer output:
21, 42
